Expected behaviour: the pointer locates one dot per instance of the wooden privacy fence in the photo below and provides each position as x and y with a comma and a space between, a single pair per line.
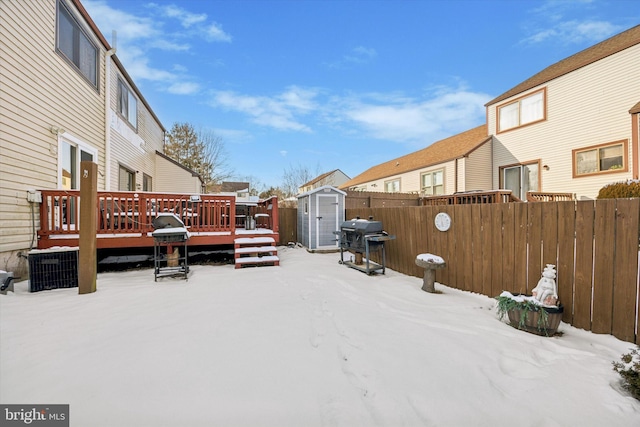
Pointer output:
494, 247
288, 225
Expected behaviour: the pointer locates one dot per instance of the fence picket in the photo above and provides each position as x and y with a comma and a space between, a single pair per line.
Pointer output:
566, 245
604, 233
625, 267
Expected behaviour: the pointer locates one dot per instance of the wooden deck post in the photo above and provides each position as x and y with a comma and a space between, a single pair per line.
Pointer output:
87, 257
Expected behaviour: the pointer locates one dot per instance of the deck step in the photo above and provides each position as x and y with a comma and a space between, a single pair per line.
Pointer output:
255, 251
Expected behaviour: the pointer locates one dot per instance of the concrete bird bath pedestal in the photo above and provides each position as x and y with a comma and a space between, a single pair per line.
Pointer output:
430, 263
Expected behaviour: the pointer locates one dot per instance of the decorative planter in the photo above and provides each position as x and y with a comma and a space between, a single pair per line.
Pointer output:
530, 320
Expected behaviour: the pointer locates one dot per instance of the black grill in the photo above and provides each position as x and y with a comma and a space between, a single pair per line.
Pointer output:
363, 237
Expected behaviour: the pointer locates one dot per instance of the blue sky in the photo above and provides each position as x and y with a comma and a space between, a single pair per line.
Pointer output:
340, 84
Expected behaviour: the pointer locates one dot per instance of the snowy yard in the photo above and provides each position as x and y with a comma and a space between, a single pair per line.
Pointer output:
309, 343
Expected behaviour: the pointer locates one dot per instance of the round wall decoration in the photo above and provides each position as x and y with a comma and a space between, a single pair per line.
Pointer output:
442, 221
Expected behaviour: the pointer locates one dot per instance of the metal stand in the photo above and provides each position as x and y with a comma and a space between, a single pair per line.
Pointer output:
371, 244
160, 260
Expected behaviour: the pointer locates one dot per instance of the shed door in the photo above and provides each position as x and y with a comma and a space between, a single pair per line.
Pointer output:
327, 220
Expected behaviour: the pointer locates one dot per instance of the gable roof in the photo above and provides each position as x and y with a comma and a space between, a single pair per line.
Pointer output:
447, 149
321, 177
613, 45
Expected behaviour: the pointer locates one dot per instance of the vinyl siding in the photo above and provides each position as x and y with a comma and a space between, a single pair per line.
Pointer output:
587, 107
171, 178
410, 181
39, 89
477, 169
132, 148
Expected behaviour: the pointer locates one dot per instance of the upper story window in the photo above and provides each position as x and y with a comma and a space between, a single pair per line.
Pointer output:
432, 183
611, 157
523, 111
392, 186
127, 104
75, 45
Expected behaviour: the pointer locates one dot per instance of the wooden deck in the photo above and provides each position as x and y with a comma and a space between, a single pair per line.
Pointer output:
125, 219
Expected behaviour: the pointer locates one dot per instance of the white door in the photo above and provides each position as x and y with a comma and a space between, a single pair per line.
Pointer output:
326, 220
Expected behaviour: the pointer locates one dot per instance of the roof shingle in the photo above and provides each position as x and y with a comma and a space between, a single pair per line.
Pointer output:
442, 151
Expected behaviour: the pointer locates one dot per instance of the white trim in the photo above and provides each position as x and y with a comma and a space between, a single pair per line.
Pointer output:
67, 137
337, 224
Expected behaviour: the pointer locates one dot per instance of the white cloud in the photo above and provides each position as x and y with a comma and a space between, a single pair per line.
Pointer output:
186, 18
284, 153
279, 112
437, 115
214, 32
567, 22
573, 32
139, 36
184, 88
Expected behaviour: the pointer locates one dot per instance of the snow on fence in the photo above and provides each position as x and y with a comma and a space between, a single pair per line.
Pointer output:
494, 247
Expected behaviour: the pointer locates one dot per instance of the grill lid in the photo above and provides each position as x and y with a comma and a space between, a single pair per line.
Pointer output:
362, 226
167, 220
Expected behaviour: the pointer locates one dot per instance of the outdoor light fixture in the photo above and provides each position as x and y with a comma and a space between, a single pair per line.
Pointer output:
56, 130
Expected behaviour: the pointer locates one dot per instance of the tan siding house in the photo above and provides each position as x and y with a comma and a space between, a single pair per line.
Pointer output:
172, 177
334, 178
54, 114
570, 128
52, 110
442, 168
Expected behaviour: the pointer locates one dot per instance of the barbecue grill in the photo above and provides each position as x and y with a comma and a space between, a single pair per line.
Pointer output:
169, 232
362, 238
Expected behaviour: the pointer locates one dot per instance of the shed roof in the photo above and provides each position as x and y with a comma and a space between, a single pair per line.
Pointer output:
615, 44
324, 188
441, 151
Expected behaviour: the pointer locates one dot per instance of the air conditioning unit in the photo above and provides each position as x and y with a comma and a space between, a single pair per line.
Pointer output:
53, 269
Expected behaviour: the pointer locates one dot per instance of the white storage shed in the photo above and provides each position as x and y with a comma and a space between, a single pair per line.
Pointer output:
320, 214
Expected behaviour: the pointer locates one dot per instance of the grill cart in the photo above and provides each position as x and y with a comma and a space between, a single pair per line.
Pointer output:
362, 238
170, 234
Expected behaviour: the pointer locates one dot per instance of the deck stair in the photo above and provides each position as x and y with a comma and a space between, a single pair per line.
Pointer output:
255, 251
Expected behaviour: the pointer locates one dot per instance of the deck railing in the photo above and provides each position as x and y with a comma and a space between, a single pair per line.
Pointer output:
471, 197
133, 212
541, 196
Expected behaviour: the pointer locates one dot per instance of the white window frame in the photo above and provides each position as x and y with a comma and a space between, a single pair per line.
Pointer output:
518, 113
597, 155
126, 99
432, 186
525, 184
132, 174
80, 146
392, 182
80, 40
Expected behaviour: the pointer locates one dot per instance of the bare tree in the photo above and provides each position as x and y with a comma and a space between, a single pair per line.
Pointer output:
201, 151
295, 176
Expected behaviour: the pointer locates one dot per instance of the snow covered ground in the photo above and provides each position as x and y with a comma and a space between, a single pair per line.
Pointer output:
309, 343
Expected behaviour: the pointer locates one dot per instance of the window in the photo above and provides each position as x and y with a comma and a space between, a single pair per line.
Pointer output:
126, 179
76, 46
127, 104
604, 158
432, 183
146, 183
520, 179
392, 186
523, 111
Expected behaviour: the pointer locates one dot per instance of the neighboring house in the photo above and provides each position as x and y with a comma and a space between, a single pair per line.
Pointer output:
573, 127
458, 163
334, 178
55, 70
172, 177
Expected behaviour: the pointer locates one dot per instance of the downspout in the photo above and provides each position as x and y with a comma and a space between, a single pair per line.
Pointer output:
107, 114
